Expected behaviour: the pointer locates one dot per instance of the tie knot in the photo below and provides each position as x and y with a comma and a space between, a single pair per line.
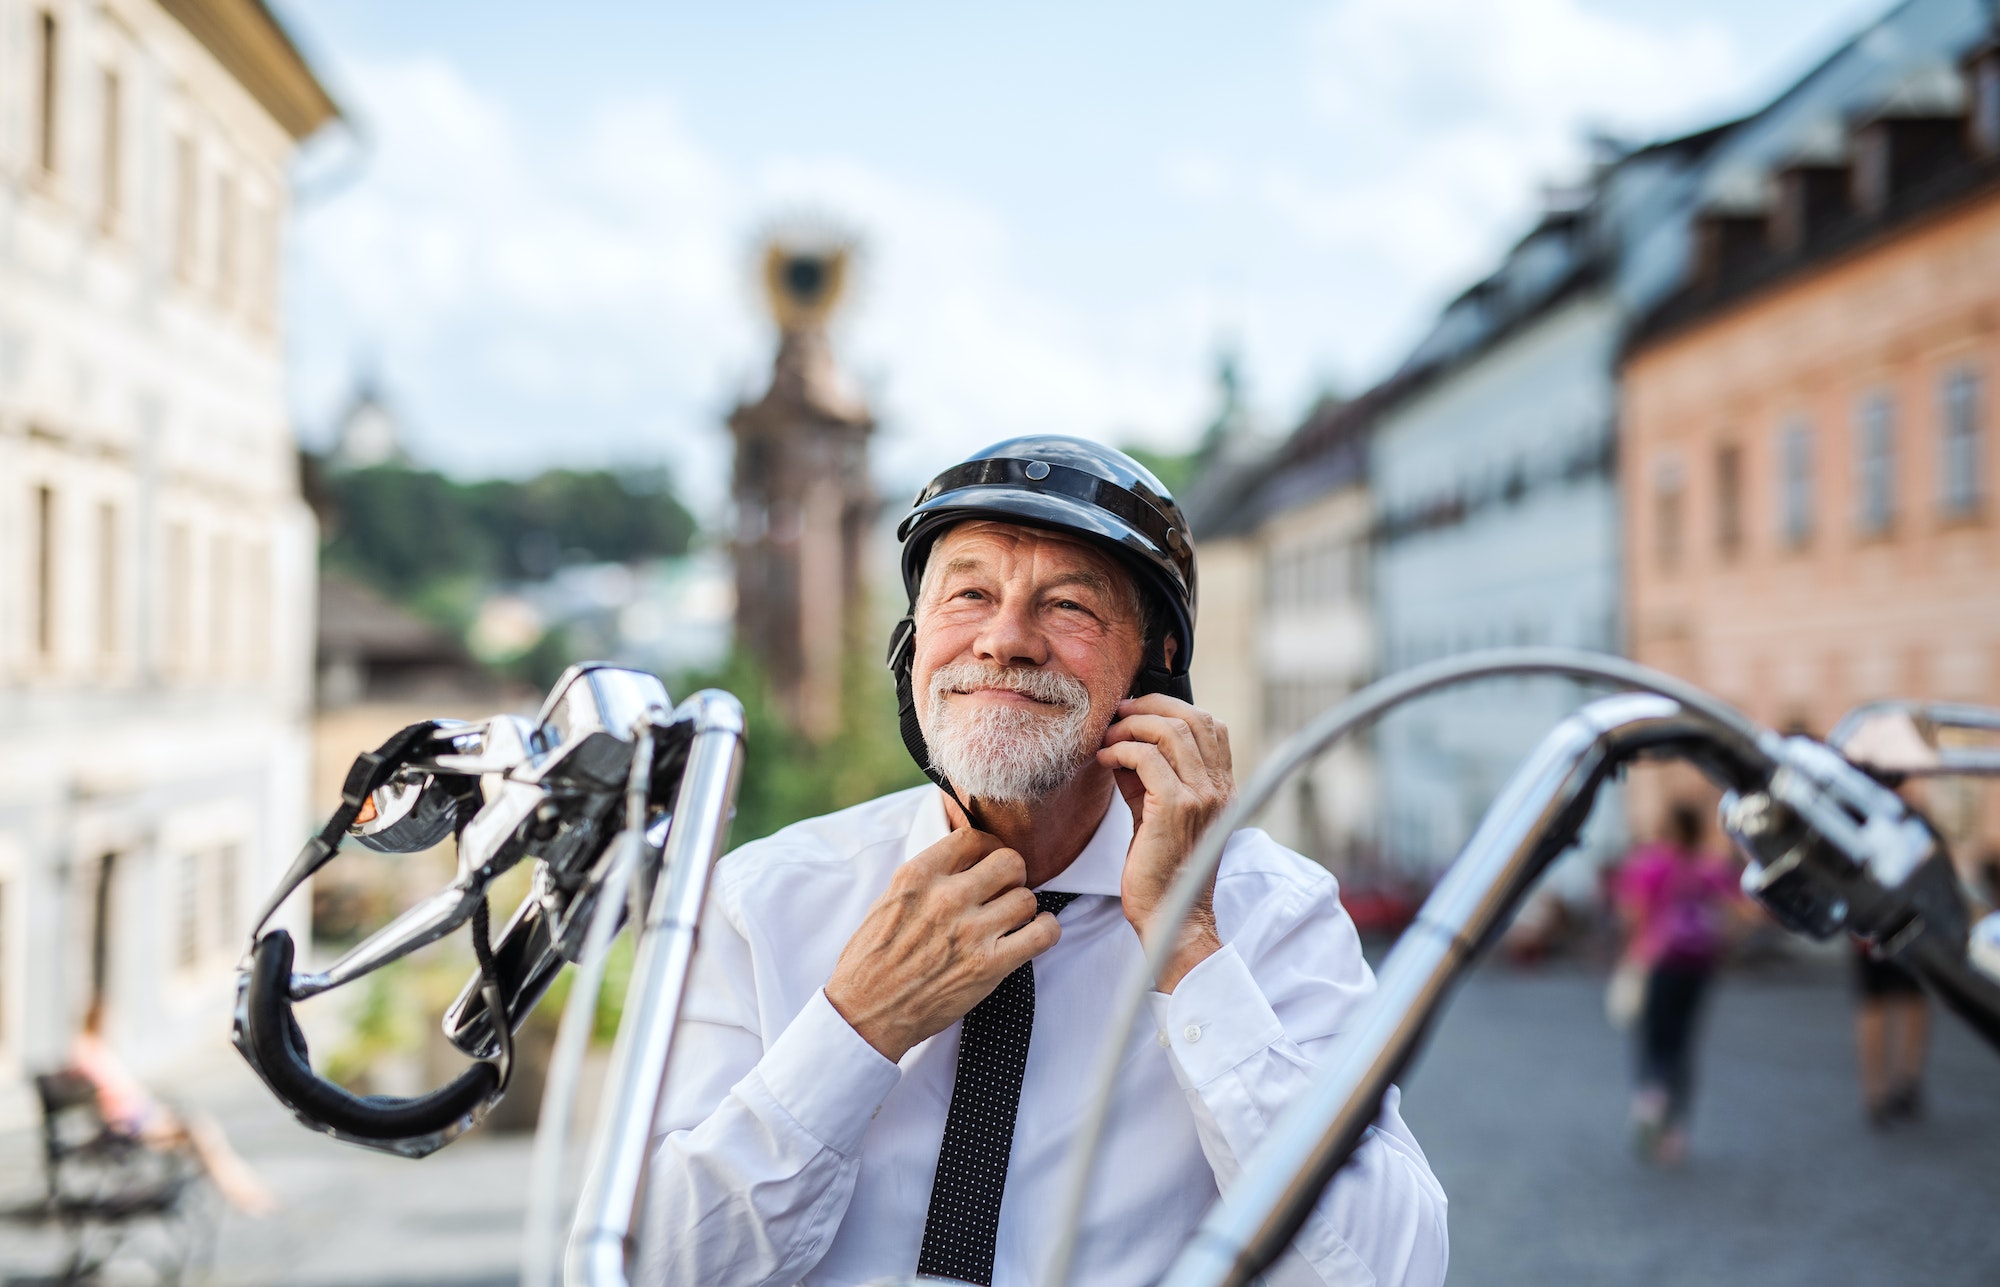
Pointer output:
1052, 902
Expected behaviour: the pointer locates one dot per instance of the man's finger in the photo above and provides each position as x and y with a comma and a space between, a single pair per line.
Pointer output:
1208, 731
956, 852
1025, 944
1006, 912
994, 873
1144, 759
1174, 738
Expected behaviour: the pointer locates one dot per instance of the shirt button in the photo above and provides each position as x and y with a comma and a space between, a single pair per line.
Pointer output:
1192, 1032
1164, 1043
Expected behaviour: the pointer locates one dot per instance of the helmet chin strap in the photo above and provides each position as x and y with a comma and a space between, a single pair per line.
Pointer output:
1156, 675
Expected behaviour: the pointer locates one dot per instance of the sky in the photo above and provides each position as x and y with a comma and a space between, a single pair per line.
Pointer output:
537, 231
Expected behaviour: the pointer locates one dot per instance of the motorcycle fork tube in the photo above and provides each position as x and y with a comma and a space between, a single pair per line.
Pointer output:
1535, 818
601, 1234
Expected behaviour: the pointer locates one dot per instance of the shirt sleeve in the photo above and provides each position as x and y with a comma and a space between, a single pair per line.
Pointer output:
755, 1147
1247, 1029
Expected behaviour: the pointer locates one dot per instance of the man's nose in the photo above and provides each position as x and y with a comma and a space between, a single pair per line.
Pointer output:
1010, 637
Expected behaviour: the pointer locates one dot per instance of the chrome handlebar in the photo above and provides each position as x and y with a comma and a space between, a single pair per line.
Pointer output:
548, 790
1831, 849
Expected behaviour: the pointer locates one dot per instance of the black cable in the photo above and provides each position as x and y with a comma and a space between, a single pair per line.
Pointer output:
489, 987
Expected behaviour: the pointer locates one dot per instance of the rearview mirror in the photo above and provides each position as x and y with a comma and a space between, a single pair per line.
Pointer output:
1921, 739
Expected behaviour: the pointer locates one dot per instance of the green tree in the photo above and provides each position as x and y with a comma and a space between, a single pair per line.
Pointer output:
787, 777
406, 531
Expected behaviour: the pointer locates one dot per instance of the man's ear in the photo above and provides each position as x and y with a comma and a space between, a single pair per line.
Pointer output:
1170, 645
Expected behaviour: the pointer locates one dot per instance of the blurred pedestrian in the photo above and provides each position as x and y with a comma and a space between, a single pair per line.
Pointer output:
1675, 902
129, 1109
1891, 1036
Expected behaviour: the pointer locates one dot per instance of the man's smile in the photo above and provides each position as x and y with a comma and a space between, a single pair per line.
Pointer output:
1006, 696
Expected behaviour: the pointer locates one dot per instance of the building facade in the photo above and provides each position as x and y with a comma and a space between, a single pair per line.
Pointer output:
1810, 423
803, 499
1285, 628
156, 560
1499, 500
1498, 526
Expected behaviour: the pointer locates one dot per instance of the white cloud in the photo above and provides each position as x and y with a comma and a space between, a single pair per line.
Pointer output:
543, 293
1436, 122
590, 298
1448, 113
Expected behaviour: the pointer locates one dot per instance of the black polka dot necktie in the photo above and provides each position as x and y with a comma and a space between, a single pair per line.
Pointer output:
964, 1219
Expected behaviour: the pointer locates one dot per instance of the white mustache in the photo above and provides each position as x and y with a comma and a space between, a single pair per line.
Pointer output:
1048, 686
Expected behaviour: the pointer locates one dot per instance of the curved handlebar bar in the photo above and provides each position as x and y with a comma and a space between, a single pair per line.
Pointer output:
413, 1127
1356, 711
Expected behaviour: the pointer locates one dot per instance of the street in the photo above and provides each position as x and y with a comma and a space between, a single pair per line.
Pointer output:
1520, 1103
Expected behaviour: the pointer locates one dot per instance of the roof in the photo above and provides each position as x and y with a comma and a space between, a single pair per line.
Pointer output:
253, 46
1854, 234
356, 621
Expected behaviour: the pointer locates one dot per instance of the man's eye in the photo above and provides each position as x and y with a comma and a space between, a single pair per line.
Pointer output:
971, 594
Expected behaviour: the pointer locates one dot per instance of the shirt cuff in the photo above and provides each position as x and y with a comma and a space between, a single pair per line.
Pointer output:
826, 1076
1215, 1018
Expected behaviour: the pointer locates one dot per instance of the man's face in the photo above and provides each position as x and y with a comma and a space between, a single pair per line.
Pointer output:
1026, 642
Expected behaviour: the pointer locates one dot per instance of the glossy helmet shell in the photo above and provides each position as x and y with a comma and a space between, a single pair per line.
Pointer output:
1074, 486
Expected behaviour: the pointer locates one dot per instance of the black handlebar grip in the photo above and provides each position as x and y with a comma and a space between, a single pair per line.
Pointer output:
281, 1051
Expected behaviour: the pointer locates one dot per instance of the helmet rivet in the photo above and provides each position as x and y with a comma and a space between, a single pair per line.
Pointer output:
1174, 538
1037, 470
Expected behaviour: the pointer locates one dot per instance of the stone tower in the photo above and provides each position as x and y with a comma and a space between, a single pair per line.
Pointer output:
802, 495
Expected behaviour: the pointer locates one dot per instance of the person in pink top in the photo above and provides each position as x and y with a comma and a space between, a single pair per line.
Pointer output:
1675, 902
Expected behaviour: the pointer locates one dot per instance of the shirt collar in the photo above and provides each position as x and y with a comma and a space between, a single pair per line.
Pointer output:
1099, 869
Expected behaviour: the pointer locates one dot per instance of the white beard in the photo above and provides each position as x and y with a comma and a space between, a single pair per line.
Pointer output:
1007, 753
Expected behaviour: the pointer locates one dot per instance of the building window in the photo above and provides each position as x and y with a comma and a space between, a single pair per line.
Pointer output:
111, 169
225, 239
1729, 499
187, 910
45, 573
6, 973
269, 266
1667, 498
221, 602
1795, 483
1874, 464
48, 52
227, 859
186, 200
176, 613
107, 580
257, 606
1961, 458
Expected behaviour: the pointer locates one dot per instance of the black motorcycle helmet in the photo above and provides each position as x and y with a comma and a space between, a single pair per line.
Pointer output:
1067, 485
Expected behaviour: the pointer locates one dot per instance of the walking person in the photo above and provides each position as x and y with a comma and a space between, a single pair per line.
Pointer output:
1891, 1038
1674, 901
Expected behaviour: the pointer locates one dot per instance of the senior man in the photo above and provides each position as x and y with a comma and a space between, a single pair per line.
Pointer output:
896, 1010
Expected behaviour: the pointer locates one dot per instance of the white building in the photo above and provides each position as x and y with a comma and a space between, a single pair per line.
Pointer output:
156, 560
1495, 477
1285, 628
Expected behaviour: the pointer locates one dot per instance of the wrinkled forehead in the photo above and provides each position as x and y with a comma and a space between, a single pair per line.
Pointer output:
997, 547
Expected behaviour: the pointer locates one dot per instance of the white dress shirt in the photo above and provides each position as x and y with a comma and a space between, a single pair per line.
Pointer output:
788, 1150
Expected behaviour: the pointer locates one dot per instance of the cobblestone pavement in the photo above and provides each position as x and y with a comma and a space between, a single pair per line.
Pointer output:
1520, 1103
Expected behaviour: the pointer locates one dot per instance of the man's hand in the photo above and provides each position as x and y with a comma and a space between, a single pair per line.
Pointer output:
1171, 762
956, 920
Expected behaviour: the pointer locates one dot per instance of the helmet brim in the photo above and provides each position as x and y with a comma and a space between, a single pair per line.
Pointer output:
1065, 515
